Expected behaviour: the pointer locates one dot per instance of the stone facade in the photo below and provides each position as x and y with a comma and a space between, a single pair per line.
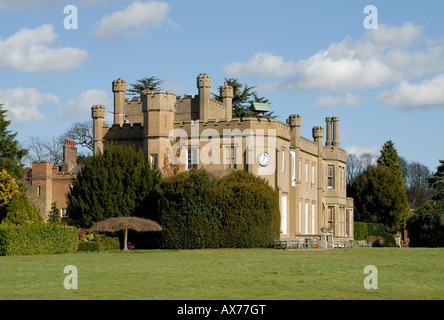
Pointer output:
194, 132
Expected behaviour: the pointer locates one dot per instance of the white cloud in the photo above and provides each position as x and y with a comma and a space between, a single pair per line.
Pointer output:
21, 104
262, 65
379, 57
83, 103
356, 150
428, 93
27, 50
337, 100
134, 19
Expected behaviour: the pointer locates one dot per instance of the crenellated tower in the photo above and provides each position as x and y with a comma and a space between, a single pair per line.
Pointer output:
98, 114
158, 121
119, 89
203, 86
226, 94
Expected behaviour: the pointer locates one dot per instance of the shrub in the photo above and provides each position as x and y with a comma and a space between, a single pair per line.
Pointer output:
426, 226
21, 211
196, 210
37, 239
107, 243
250, 210
361, 230
188, 212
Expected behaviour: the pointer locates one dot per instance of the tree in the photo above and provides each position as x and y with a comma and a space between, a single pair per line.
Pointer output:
21, 211
8, 187
243, 96
437, 182
11, 154
426, 226
416, 181
54, 213
82, 134
118, 182
379, 193
389, 158
147, 83
45, 149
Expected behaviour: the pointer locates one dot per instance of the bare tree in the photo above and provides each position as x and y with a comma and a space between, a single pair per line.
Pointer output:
82, 134
49, 149
353, 167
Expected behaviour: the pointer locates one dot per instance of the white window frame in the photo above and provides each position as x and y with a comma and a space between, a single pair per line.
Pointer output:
190, 153
293, 168
284, 214
330, 177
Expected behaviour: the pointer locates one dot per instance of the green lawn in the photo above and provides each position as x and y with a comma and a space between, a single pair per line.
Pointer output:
246, 274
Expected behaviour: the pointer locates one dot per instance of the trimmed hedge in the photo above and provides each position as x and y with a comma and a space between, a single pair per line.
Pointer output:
37, 239
109, 243
197, 210
375, 232
361, 230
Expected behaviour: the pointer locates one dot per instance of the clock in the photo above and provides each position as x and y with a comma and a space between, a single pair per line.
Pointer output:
263, 158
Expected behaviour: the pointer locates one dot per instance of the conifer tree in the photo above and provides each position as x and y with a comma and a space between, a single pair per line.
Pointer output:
11, 154
243, 96
437, 182
117, 182
379, 193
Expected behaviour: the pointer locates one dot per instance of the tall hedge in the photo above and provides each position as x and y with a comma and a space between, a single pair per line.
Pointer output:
250, 208
197, 210
37, 239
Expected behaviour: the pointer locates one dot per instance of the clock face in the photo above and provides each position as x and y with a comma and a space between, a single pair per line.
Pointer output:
263, 158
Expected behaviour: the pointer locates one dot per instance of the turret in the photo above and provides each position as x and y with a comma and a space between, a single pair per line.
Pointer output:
226, 95
119, 88
98, 114
203, 86
158, 120
294, 121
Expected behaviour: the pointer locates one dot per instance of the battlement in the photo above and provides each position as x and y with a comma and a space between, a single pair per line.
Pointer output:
158, 100
294, 120
203, 81
98, 111
318, 132
119, 85
226, 91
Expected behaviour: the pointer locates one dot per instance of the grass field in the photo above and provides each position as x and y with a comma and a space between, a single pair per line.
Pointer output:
228, 274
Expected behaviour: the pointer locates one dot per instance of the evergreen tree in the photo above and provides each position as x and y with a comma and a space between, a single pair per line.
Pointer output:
116, 183
21, 211
147, 83
243, 97
389, 158
11, 154
379, 193
437, 182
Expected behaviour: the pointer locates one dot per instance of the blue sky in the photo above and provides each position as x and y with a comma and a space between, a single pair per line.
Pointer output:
313, 58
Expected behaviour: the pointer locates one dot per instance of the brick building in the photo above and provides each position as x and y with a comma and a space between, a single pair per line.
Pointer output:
48, 183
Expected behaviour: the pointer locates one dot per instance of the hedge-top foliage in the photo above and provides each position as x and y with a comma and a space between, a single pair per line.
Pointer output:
37, 239
197, 210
